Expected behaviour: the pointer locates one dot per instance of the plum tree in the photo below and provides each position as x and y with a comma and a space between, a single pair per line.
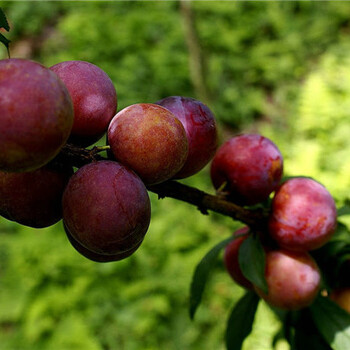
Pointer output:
105, 205
106, 208
36, 115
248, 168
150, 140
303, 215
200, 126
94, 99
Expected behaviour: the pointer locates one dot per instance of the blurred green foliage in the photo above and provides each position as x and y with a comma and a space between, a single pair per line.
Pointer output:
280, 68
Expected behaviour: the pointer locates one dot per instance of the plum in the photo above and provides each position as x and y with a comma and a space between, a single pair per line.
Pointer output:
200, 126
106, 208
34, 198
36, 115
150, 140
231, 258
94, 99
303, 215
96, 256
248, 168
341, 296
293, 279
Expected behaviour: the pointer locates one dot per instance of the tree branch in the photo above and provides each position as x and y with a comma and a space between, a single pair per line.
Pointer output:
255, 218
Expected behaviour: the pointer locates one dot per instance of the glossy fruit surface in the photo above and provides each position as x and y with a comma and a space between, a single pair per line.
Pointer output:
34, 198
36, 115
231, 258
248, 168
200, 126
303, 215
293, 279
89, 254
106, 208
150, 140
94, 99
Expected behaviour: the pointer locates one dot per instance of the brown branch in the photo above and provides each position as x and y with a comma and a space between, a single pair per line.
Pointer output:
255, 218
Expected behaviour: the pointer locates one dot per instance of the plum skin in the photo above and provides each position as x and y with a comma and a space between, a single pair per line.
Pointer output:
34, 198
102, 258
341, 296
200, 126
231, 258
248, 167
106, 208
150, 140
36, 115
303, 215
94, 99
293, 279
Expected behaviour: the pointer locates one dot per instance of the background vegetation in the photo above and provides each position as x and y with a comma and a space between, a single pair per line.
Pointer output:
278, 68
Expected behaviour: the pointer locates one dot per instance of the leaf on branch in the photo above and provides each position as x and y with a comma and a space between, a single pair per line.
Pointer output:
240, 322
332, 322
251, 258
201, 275
3, 21
5, 41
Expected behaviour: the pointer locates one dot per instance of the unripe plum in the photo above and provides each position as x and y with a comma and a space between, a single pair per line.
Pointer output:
293, 279
36, 115
96, 256
341, 296
200, 126
150, 140
248, 167
303, 215
94, 99
34, 198
231, 258
106, 208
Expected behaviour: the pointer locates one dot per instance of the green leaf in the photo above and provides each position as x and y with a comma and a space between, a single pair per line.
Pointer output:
345, 209
251, 259
3, 21
306, 336
6, 42
240, 322
332, 322
201, 275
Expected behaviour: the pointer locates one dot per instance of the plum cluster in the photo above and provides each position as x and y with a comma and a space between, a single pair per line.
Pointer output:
302, 217
105, 204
